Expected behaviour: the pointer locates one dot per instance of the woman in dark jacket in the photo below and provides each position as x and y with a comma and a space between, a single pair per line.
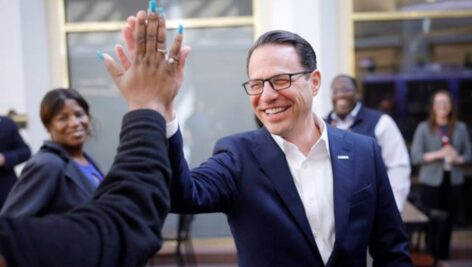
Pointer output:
13, 151
61, 175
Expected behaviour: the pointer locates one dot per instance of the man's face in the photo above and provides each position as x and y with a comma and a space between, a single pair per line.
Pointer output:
344, 96
284, 112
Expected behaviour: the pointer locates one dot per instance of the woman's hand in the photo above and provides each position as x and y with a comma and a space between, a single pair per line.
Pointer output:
149, 78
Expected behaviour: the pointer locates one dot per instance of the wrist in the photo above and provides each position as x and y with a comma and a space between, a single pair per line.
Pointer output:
169, 113
147, 105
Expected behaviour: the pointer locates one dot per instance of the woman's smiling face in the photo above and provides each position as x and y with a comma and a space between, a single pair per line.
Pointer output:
70, 126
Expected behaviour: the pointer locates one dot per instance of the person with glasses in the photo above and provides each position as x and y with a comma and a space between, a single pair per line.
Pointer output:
350, 114
296, 192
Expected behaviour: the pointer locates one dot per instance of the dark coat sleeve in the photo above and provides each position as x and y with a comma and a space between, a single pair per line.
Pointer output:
35, 189
17, 151
389, 242
120, 226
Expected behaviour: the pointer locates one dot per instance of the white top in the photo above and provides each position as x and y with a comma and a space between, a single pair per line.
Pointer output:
394, 152
313, 178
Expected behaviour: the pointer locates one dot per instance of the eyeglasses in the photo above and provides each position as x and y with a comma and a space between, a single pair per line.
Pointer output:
277, 82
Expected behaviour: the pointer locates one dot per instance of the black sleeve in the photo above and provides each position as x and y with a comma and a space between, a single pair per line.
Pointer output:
120, 226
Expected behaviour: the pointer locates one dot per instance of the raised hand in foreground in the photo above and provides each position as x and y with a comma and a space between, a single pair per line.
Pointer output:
150, 78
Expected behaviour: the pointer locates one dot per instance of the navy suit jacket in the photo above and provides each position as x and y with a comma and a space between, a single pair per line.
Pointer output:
249, 180
15, 152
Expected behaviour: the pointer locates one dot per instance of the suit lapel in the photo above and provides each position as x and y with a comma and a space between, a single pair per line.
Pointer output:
342, 160
274, 165
357, 120
73, 172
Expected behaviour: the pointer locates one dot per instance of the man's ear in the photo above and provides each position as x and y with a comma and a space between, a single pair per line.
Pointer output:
315, 80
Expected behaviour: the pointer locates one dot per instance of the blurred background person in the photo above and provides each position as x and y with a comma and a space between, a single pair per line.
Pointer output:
61, 175
440, 145
350, 114
13, 151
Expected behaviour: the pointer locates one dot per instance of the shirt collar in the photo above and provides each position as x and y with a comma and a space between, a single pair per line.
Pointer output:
349, 116
320, 124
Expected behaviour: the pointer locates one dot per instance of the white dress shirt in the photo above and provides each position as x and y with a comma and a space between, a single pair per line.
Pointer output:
172, 127
313, 178
394, 152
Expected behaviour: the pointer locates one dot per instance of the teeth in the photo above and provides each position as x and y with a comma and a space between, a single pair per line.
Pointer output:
78, 132
274, 110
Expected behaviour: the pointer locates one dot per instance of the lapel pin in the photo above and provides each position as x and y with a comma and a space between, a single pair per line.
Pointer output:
343, 157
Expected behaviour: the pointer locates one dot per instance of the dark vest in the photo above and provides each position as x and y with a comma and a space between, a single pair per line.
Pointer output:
365, 121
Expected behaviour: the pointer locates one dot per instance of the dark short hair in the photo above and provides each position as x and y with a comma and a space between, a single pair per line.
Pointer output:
304, 50
54, 100
352, 79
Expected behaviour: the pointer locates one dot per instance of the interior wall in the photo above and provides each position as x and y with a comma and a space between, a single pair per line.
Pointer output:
317, 22
36, 71
24, 70
26, 74
11, 67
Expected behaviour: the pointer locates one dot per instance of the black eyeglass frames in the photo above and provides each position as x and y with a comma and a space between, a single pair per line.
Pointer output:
277, 82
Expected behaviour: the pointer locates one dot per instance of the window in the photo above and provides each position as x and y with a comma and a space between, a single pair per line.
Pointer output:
405, 50
211, 102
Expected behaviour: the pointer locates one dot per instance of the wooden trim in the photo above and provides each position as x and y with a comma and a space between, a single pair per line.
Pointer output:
387, 16
171, 24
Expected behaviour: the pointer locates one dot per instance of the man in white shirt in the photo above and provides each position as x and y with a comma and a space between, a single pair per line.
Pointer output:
350, 114
296, 192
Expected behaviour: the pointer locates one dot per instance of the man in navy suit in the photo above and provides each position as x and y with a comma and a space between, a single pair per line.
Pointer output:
13, 151
296, 192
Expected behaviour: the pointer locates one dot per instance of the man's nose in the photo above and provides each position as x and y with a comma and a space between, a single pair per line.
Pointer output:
268, 92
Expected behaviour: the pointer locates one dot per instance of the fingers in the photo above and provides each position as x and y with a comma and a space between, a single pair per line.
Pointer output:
151, 33
184, 52
120, 52
161, 36
132, 20
174, 53
112, 67
128, 32
140, 34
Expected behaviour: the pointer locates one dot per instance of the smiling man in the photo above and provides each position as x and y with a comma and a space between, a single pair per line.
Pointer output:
350, 114
296, 192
